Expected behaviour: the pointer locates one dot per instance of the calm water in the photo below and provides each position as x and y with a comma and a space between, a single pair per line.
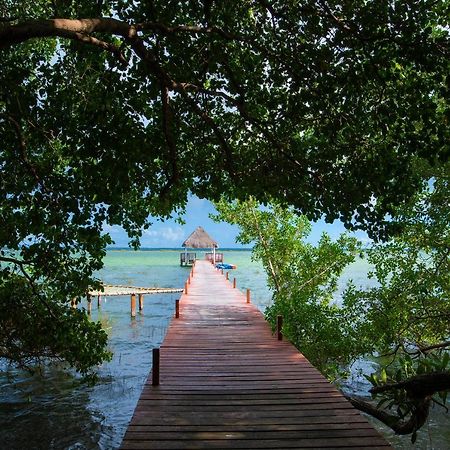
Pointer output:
57, 412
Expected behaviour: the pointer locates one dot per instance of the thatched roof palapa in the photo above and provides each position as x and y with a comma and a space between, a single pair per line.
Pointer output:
199, 238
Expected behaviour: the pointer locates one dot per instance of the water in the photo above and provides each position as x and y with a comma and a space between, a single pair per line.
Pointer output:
56, 411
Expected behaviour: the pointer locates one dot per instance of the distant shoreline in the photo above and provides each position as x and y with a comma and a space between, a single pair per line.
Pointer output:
177, 249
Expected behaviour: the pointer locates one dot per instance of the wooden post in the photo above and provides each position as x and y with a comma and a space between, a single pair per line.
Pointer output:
248, 295
189, 279
234, 283
99, 301
155, 367
133, 305
279, 327
192, 272
222, 271
177, 308
227, 276
89, 303
185, 288
141, 302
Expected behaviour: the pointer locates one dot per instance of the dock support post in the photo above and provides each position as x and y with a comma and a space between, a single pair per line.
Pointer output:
279, 327
185, 288
99, 301
177, 309
141, 302
89, 303
234, 283
133, 305
248, 295
227, 276
155, 367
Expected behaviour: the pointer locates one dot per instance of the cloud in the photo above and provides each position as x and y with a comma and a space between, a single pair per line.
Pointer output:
168, 234
112, 229
200, 203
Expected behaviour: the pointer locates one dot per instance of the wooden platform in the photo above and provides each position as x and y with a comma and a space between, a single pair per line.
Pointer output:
110, 290
226, 382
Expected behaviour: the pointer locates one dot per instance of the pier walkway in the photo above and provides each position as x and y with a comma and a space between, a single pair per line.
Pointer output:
227, 382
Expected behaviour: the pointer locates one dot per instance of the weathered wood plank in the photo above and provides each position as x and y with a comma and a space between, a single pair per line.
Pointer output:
227, 382
331, 443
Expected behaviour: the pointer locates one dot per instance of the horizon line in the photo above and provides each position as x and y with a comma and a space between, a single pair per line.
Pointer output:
175, 248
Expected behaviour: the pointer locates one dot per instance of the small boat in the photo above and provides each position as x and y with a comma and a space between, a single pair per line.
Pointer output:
225, 266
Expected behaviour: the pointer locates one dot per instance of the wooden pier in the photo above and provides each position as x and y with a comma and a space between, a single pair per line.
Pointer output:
226, 382
111, 290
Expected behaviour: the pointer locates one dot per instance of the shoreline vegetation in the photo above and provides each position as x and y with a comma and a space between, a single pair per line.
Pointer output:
403, 316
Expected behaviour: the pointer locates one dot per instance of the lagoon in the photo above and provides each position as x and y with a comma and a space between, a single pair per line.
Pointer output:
56, 411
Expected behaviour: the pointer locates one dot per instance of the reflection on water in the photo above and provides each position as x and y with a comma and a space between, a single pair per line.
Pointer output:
56, 411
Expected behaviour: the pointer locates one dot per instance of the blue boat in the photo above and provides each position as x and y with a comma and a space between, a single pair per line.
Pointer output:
225, 266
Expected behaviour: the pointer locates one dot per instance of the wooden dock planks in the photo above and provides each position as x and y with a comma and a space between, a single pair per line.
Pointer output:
226, 382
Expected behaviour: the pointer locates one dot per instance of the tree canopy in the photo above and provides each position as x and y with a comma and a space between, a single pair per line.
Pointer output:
325, 105
112, 110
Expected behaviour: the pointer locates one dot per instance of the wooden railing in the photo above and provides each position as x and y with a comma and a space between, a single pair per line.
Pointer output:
187, 259
209, 257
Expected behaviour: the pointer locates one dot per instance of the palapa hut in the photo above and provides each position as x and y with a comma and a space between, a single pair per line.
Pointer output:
199, 238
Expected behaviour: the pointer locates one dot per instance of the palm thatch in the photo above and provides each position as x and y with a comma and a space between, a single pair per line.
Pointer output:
200, 239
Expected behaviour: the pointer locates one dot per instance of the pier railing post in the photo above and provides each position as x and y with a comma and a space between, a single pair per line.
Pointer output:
99, 301
234, 283
279, 327
133, 305
141, 302
248, 295
177, 309
185, 288
155, 367
89, 303
227, 276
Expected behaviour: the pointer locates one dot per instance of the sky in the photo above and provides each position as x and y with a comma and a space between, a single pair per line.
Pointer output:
170, 234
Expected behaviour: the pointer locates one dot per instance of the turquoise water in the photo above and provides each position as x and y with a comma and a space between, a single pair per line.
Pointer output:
55, 411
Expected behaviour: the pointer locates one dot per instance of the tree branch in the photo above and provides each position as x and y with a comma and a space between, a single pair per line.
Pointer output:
23, 150
417, 418
434, 347
422, 385
86, 39
164, 29
217, 132
19, 262
167, 118
75, 29
16, 33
